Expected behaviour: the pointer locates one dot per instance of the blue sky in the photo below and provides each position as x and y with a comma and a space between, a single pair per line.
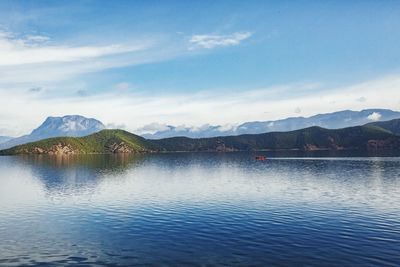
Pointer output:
130, 63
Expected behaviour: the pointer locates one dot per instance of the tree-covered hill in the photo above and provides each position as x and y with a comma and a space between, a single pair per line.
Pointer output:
367, 137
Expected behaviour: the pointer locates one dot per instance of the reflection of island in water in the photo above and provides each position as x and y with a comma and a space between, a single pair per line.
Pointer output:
77, 171
80, 170
201, 178
107, 162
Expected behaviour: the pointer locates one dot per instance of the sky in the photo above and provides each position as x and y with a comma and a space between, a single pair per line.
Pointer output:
137, 63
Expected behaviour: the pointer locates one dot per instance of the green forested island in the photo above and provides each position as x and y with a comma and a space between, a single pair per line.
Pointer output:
372, 136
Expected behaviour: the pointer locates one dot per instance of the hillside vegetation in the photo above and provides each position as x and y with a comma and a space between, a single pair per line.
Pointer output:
105, 141
367, 137
393, 125
313, 138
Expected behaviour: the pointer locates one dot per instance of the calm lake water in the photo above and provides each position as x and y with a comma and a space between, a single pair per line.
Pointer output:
199, 210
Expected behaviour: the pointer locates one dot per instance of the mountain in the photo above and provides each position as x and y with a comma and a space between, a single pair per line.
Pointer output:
367, 137
335, 120
4, 139
70, 125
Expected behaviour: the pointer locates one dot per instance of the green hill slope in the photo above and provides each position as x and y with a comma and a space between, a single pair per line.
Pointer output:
365, 137
393, 125
106, 141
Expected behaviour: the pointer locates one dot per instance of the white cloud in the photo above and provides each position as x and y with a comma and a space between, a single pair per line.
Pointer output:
122, 87
180, 128
195, 129
115, 126
227, 127
375, 116
152, 128
361, 99
37, 38
209, 41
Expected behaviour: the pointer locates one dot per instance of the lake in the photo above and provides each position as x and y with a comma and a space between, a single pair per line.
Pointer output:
204, 209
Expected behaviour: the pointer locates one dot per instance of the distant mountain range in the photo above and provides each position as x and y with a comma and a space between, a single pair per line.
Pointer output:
71, 125
335, 120
4, 139
78, 126
372, 136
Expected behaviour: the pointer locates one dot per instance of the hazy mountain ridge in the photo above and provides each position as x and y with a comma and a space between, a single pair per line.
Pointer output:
4, 139
366, 137
69, 125
335, 120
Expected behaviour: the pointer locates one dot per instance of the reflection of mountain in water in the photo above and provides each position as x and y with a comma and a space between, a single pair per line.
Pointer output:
79, 171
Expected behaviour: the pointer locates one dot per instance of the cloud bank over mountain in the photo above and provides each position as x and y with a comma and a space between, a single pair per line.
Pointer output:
135, 110
335, 120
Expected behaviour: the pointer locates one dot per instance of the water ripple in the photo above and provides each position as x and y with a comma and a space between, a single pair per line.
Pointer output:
199, 210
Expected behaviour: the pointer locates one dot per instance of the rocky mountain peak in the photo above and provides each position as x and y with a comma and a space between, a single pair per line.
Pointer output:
70, 125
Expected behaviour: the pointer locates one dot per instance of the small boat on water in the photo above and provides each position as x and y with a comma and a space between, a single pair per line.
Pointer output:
261, 157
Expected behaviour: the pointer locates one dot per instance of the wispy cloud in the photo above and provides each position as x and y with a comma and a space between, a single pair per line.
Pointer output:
82, 93
29, 61
34, 39
34, 60
33, 49
36, 89
210, 41
122, 87
361, 99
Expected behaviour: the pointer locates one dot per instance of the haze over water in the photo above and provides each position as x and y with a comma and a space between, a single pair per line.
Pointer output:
199, 210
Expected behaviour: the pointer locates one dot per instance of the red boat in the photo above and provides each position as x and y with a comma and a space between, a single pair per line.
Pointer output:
261, 157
